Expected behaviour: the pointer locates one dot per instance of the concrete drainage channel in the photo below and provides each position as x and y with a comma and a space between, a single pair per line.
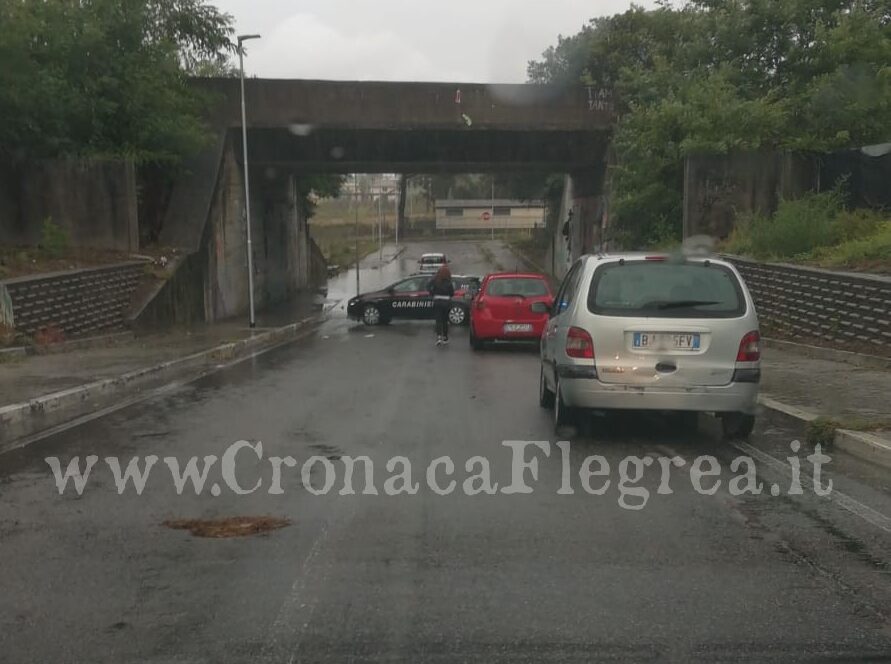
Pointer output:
25, 422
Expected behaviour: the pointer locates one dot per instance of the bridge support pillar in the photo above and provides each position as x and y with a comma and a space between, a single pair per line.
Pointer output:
579, 227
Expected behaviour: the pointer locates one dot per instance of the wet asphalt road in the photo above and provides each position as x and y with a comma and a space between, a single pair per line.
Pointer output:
428, 578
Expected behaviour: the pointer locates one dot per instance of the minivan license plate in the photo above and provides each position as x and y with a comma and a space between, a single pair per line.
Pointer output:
517, 327
663, 341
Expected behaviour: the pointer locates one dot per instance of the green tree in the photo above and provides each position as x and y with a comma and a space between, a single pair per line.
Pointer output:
106, 77
719, 75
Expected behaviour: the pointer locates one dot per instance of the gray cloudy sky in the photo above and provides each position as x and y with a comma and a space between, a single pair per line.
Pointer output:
435, 40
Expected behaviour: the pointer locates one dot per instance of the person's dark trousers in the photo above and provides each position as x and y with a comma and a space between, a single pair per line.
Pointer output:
442, 320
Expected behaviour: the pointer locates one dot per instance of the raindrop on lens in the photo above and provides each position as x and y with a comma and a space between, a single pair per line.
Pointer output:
300, 129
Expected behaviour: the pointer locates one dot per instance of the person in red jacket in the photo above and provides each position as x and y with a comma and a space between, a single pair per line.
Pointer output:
442, 289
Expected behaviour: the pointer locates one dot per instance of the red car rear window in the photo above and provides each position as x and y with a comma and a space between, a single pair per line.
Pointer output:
517, 286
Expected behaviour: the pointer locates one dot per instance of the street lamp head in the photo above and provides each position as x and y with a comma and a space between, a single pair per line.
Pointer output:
244, 38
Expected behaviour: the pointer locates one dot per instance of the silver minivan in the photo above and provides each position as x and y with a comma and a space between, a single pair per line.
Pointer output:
652, 332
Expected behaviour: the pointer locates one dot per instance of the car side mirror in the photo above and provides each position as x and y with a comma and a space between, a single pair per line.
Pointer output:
540, 307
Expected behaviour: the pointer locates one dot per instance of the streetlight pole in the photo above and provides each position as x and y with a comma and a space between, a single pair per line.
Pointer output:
492, 206
380, 218
247, 186
356, 201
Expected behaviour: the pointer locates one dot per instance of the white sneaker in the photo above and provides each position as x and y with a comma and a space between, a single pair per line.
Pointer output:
445, 340
439, 341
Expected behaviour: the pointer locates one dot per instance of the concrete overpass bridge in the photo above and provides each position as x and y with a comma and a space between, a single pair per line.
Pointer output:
350, 127
298, 127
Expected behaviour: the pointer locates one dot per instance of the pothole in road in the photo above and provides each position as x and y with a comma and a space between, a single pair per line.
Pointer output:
236, 526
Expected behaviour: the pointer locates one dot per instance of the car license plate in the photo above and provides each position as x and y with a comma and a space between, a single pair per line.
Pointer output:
517, 327
664, 341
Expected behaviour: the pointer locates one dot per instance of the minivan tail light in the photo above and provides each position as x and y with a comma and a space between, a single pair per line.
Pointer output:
749, 347
579, 344
655, 258
480, 303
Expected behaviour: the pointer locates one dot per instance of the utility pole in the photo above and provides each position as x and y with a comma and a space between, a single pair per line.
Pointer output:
380, 218
247, 186
356, 211
492, 205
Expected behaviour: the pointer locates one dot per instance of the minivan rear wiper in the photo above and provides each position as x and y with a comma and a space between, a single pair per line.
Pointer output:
681, 304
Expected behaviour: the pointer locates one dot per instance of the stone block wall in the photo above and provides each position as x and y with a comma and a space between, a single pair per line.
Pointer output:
78, 302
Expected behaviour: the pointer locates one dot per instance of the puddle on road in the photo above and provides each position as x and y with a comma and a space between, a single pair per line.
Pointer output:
328, 451
236, 526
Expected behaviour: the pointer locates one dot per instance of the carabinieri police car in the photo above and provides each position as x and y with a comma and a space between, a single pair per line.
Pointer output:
409, 299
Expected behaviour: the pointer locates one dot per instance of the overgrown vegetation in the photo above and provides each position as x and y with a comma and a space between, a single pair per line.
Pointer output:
338, 243
711, 76
821, 431
54, 240
816, 229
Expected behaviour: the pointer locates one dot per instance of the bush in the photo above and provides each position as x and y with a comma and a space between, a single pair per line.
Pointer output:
815, 228
871, 251
54, 239
857, 224
797, 228
821, 431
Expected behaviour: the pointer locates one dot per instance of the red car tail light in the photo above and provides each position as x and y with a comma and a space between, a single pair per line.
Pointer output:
579, 344
480, 303
749, 347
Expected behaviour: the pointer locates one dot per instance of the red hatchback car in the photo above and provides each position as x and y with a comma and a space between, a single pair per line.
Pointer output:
510, 306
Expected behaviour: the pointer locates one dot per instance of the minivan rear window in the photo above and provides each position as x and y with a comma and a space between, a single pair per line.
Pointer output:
666, 290
432, 260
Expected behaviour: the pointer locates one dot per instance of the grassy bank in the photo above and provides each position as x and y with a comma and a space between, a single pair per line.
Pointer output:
817, 230
533, 248
338, 243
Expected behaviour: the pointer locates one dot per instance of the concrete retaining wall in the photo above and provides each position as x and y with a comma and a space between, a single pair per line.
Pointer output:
318, 268
211, 282
77, 302
814, 304
717, 188
93, 200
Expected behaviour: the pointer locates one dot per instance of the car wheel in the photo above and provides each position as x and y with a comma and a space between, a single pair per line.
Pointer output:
457, 315
371, 315
475, 342
545, 396
737, 425
563, 415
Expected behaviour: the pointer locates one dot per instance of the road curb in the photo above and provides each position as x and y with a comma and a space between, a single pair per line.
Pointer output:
30, 417
860, 444
865, 446
399, 252
785, 409
861, 360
